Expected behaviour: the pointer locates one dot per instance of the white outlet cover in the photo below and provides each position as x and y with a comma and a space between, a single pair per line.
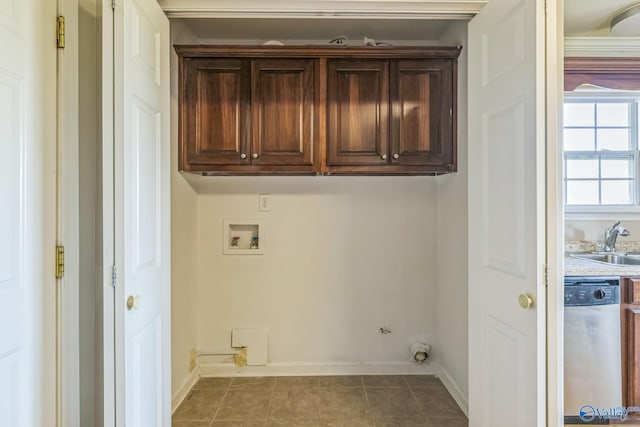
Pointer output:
264, 202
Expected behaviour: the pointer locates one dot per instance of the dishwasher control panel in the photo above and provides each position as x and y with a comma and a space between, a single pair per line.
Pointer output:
579, 291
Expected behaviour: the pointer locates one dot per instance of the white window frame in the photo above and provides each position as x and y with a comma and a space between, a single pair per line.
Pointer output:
595, 212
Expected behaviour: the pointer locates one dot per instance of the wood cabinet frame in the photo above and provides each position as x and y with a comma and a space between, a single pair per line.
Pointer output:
612, 73
438, 154
630, 342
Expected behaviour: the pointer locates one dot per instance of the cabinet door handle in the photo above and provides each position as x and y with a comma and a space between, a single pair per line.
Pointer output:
396, 156
255, 155
243, 156
383, 157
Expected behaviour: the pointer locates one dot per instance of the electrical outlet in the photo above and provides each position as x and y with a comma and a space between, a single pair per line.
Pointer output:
192, 359
264, 202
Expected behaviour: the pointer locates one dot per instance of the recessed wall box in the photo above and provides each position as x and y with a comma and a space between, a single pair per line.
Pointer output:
243, 237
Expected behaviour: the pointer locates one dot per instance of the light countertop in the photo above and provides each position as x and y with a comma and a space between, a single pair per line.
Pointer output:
582, 267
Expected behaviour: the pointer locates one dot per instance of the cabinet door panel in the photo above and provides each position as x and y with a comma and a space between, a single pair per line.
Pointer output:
633, 292
215, 112
422, 113
282, 110
631, 390
358, 123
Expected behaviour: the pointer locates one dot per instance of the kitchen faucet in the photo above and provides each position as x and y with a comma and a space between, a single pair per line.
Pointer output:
611, 234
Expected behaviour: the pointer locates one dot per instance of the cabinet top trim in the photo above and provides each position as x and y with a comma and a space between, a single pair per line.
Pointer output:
408, 52
324, 9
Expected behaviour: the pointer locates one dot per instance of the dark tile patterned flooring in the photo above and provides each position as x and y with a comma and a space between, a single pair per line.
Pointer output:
323, 401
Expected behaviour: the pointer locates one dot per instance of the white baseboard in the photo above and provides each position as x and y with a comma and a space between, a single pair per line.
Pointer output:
454, 389
277, 369
184, 389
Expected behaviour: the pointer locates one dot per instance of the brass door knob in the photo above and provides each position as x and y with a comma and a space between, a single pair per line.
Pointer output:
133, 302
525, 301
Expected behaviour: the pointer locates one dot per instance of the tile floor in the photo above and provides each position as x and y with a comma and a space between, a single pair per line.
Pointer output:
336, 401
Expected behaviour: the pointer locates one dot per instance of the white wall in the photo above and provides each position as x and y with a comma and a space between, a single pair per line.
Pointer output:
577, 229
89, 255
452, 301
344, 257
184, 233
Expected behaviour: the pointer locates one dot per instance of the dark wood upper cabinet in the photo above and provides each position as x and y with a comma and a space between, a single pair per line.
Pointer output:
397, 113
310, 110
358, 122
214, 122
248, 116
283, 111
422, 126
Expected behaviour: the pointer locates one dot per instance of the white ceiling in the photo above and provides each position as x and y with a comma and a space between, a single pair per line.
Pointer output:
592, 17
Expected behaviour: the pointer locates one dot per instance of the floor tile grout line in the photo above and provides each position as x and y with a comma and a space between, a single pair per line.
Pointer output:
273, 390
415, 399
404, 378
226, 392
366, 395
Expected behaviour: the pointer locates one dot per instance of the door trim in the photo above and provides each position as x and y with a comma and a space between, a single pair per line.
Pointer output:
107, 97
414, 9
555, 222
68, 332
67, 233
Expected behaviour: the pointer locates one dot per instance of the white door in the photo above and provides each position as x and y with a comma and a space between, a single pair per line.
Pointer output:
142, 214
506, 214
27, 213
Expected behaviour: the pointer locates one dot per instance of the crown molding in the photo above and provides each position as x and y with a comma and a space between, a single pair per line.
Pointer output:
324, 9
602, 46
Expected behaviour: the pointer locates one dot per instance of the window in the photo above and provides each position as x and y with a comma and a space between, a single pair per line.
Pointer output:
601, 152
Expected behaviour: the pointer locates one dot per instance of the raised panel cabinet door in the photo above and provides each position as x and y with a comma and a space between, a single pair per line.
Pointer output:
214, 112
631, 390
630, 339
358, 118
422, 123
283, 113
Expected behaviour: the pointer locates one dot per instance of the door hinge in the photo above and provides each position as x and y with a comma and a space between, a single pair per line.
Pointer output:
546, 275
59, 262
114, 275
60, 39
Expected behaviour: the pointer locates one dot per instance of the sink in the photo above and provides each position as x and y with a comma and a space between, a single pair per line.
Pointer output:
616, 259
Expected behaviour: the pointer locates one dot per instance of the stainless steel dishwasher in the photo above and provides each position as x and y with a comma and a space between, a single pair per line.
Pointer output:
592, 373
